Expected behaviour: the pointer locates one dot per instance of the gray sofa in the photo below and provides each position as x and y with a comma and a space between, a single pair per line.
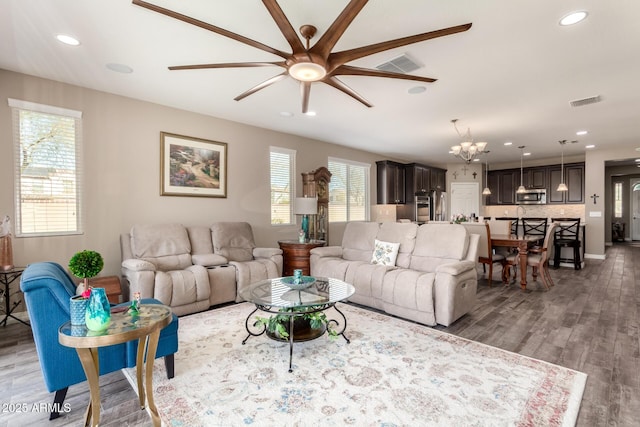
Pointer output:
193, 268
433, 280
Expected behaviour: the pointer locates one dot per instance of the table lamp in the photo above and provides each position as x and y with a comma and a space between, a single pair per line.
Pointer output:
305, 206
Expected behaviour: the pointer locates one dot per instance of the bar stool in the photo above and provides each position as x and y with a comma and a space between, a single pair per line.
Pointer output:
535, 227
567, 236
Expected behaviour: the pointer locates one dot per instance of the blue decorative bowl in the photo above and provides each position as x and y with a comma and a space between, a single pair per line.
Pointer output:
302, 283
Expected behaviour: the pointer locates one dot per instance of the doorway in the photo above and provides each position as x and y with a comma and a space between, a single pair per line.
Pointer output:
465, 198
635, 209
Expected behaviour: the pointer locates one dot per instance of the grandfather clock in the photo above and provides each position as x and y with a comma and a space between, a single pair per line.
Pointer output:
316, 184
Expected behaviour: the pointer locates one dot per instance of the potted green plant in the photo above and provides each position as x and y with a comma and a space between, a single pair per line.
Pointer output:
315, 323
85, 265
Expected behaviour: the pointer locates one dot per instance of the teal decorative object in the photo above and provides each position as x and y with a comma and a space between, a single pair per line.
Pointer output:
77, 310
98, 313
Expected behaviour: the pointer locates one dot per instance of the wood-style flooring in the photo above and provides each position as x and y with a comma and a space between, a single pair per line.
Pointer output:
588, 321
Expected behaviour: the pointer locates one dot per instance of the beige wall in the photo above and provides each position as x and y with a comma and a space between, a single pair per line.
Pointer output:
122, 161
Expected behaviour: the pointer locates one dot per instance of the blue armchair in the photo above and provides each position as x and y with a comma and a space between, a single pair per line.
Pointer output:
47, 288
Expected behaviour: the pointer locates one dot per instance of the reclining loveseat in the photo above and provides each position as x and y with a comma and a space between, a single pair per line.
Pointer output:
422, 273
193, 268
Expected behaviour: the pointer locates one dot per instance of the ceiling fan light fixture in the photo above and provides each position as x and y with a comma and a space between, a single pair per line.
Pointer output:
307, 71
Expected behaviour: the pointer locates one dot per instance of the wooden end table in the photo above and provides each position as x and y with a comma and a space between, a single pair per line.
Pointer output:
296, 255
111, 285
124, 327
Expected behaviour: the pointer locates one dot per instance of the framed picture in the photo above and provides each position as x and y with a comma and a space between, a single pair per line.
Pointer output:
192, 166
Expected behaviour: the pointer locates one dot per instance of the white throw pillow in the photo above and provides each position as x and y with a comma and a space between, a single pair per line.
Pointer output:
385, 253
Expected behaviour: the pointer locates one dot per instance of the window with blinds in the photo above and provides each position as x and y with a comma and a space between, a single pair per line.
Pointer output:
282, 169
348, 191
48, 169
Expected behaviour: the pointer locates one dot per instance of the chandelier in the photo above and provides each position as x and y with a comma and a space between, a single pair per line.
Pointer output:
467, 150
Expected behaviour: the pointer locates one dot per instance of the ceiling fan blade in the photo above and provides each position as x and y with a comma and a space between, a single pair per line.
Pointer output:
347, 70
227, 65
330, 37
262, 85
210, 27
335, 83
285, 26
305, 90
339, 58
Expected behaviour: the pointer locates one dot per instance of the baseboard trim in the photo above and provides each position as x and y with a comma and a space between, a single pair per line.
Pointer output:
595, 256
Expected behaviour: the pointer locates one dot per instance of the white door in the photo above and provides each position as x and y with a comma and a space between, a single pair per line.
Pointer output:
635, 209
465, 198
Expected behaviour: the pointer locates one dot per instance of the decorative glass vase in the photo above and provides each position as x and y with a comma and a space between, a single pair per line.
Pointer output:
77, 310
98, 313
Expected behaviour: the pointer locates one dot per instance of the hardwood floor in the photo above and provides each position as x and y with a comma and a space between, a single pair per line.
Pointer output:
589, 322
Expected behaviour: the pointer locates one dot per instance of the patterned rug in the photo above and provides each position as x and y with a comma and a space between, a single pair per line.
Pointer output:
394, 373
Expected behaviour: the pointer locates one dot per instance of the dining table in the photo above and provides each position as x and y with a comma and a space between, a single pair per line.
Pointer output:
522, 243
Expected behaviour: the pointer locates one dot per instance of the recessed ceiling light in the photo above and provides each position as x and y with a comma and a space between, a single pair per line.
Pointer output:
508, 143
526, 154
310, 113
120, 68
71, 41
573, 18
416, 90
450, 151
590, 146
581, 132
286, 114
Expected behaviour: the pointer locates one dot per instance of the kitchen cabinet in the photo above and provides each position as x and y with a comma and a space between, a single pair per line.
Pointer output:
418, 179
507, 186
573, 178
438, 179
391, 182
535, 177
503, 185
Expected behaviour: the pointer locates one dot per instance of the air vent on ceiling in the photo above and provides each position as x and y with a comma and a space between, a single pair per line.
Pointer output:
402, 64
585, 101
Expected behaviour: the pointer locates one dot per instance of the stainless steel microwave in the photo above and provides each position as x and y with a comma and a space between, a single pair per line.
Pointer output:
532, 197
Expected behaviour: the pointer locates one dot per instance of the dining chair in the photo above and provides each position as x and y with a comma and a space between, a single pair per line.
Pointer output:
537, 259
567, 235
485, 249
534, 227
514, 223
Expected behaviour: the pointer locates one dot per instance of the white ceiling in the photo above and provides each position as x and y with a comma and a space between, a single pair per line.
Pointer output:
509, 78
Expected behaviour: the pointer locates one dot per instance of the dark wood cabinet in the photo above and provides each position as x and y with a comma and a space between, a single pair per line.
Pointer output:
492, 183
391, 182
574, 178
438, 179
505, 182
555, 178
535, 177
507, 186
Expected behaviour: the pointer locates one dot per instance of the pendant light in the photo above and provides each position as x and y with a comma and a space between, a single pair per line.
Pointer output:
487, 190
521, 189
562, 186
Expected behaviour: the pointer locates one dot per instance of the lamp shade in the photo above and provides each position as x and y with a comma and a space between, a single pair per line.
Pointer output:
305, 206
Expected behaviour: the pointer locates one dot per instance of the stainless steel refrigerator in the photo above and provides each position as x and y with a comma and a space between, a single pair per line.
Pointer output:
439, 206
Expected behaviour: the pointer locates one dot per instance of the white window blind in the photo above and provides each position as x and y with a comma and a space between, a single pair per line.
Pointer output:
348, 191
48, 169
282, 169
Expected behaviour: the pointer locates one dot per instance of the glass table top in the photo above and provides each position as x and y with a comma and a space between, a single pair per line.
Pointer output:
276, 293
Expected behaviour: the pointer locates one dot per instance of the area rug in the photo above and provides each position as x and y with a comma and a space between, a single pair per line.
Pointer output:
394, 373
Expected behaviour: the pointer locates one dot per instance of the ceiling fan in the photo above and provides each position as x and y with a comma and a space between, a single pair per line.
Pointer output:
309, 64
